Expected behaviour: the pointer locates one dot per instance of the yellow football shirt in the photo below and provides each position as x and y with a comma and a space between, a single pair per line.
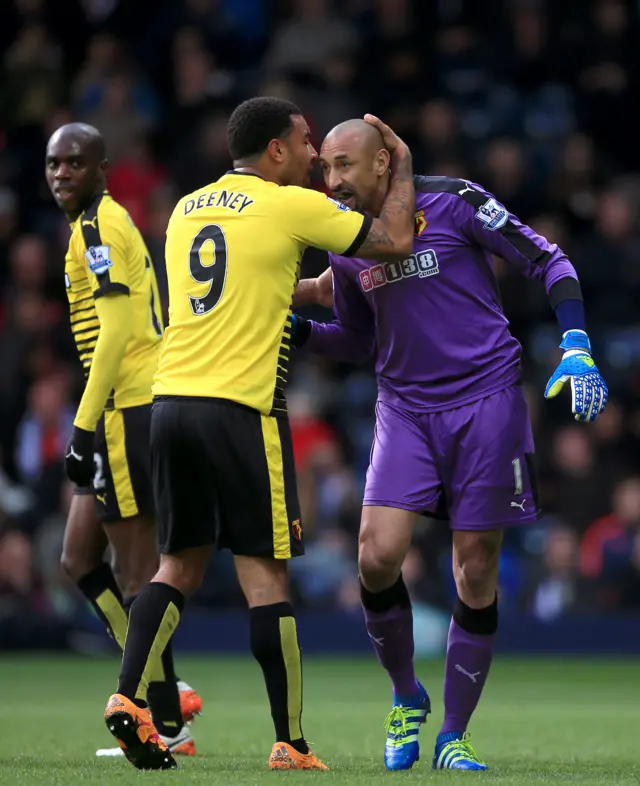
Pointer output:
107, 254
233, 262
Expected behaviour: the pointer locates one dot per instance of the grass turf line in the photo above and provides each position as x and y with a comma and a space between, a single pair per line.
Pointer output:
539, 722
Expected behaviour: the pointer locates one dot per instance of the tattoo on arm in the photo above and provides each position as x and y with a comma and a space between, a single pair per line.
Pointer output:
377, 241
395, 226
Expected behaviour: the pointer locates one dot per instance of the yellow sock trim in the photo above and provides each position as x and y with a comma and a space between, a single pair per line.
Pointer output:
116, 616
157, 671
293, 666
167, 626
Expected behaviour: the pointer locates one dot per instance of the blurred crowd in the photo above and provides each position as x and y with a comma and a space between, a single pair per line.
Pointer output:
532, 99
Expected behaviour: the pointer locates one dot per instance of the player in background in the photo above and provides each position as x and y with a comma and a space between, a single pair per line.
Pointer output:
117, 326
223, 466
452, 428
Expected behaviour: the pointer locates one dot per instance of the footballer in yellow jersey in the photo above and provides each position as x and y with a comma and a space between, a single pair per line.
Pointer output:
117, 326
223, 467
230, 299
118, 340
107, 255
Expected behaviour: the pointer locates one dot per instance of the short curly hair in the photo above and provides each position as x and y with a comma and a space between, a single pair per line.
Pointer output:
254, 123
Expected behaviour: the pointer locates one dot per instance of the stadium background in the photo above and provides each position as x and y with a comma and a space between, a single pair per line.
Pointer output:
531, 99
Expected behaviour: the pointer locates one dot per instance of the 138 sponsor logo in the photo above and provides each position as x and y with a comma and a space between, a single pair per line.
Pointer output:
423, 264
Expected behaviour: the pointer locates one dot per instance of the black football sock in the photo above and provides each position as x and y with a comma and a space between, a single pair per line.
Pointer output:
101, 590
274, 644
163, 697
152, 620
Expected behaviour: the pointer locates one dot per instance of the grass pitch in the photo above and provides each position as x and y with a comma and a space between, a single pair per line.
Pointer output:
540, 722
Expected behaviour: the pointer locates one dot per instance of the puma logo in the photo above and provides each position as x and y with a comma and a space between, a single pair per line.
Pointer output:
93, 223
462, 670
519, 505
465, 189
379, 642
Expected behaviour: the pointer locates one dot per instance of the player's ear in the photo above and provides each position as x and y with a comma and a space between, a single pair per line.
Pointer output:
382, 162
276, 150
103, 166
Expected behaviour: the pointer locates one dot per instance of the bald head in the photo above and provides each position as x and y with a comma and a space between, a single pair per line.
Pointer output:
359, 133
355, 165
85, 137
76, 166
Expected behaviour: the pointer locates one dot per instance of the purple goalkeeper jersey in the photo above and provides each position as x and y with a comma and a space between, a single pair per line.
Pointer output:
434, 321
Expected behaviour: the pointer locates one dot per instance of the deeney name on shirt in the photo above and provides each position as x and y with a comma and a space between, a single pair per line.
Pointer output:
229, 199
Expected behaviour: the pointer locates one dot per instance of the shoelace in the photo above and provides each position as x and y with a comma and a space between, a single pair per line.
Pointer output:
464, 746
397, 718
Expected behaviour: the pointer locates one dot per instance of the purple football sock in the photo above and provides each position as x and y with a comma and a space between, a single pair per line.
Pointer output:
391, 633
469, 658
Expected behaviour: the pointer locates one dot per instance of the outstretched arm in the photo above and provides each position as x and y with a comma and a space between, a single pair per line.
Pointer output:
315, 291
348, 339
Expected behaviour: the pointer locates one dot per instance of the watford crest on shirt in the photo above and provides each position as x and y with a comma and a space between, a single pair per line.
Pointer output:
421, 223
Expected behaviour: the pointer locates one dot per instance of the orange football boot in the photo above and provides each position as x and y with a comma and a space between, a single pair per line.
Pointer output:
190, 702
180, 745
136, 735
286, 757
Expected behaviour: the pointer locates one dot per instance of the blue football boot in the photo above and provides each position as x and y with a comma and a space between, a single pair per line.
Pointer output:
455, 752
402, 750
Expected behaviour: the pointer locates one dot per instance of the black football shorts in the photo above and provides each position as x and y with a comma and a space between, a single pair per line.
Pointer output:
224, 474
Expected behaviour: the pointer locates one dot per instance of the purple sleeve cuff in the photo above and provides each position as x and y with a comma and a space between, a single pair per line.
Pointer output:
556, 269
336, 342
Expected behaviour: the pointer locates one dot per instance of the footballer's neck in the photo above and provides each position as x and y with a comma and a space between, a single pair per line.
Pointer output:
75, 215
253, 167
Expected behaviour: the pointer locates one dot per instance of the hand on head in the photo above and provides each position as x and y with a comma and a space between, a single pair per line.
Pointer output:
391, 140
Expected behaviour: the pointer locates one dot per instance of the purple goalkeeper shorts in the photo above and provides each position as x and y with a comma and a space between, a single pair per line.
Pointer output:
473, 465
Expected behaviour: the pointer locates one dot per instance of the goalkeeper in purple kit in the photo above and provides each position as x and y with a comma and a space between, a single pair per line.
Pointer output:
452, 427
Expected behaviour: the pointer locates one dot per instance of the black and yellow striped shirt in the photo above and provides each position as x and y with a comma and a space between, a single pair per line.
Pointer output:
108, 255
